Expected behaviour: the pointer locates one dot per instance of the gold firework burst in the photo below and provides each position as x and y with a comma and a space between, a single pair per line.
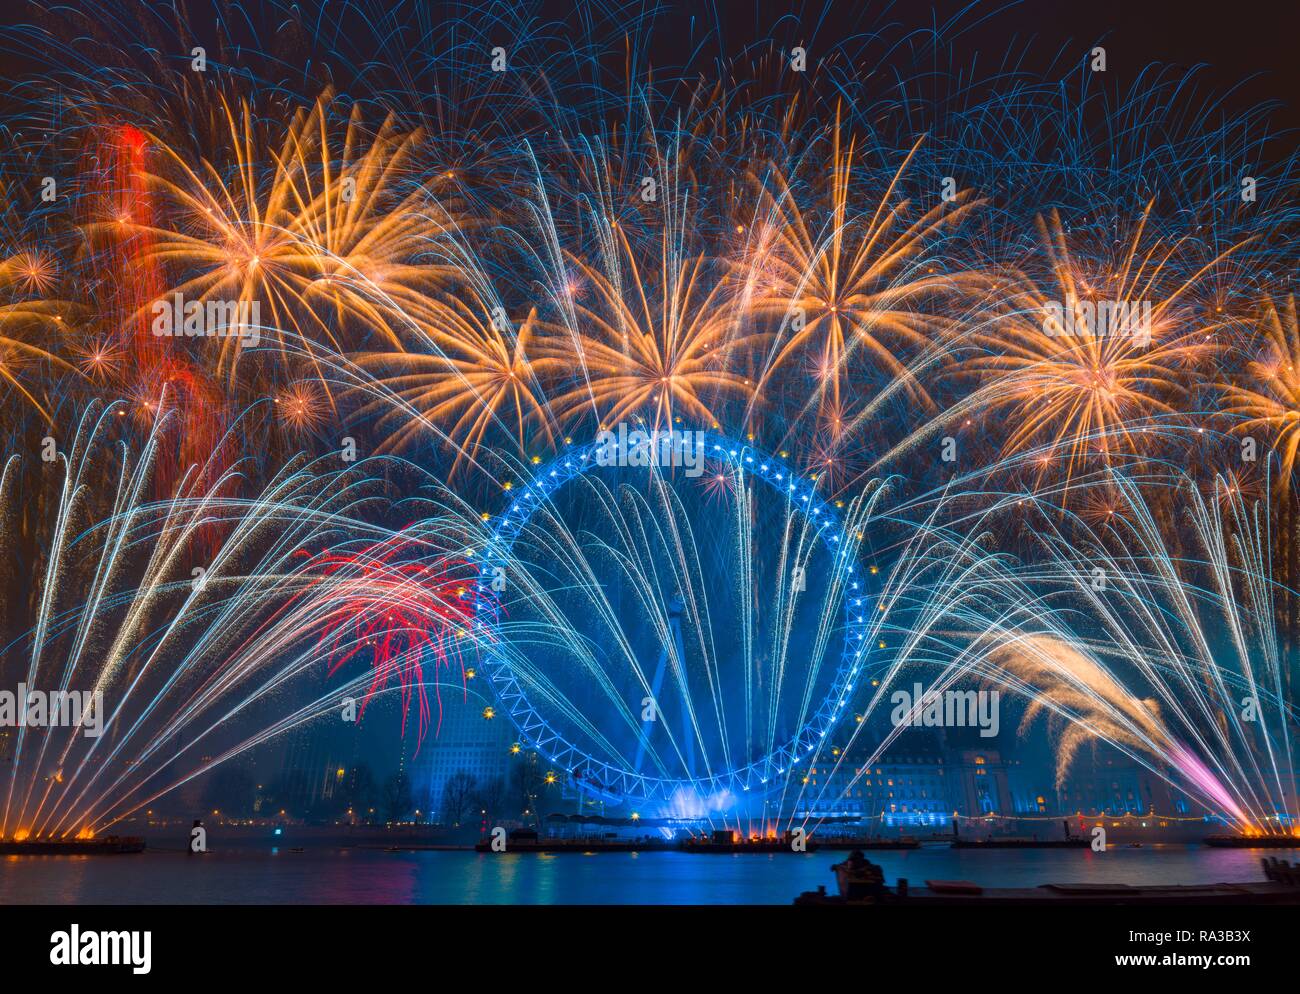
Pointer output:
840, 282
1056, 377
464, 371
320, 231
1268, 397
657, 343
26, 320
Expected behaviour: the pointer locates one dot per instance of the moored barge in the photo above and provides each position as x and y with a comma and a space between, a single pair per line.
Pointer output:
849, 843
1019, 841
109, 844
526, 840
1253, 841
726, 841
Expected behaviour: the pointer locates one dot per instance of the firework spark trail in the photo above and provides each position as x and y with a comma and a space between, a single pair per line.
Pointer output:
1268, 395
1153, 662
192, 657
340, 271
461, 265
298, 239
1014, 634
858, 278
1146, 631
656, 555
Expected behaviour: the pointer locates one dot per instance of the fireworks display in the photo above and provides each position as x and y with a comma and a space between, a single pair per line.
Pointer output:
314, 318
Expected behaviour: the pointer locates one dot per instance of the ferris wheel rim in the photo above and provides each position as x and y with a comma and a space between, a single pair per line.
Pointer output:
601, 777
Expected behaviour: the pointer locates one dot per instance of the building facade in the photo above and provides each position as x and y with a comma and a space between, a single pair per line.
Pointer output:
908, 790
465, 742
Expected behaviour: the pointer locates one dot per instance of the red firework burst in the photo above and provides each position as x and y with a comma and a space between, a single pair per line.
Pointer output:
397, 607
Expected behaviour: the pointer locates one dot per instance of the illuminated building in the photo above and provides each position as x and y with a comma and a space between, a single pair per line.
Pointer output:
1113, 784
466, 742
898, 790
978, 783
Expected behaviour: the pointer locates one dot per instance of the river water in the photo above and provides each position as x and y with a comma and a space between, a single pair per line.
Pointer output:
326, 874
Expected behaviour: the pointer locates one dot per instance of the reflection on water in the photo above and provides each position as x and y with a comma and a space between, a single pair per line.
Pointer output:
328, 875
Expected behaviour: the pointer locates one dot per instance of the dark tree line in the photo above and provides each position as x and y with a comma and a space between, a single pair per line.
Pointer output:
467, 798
